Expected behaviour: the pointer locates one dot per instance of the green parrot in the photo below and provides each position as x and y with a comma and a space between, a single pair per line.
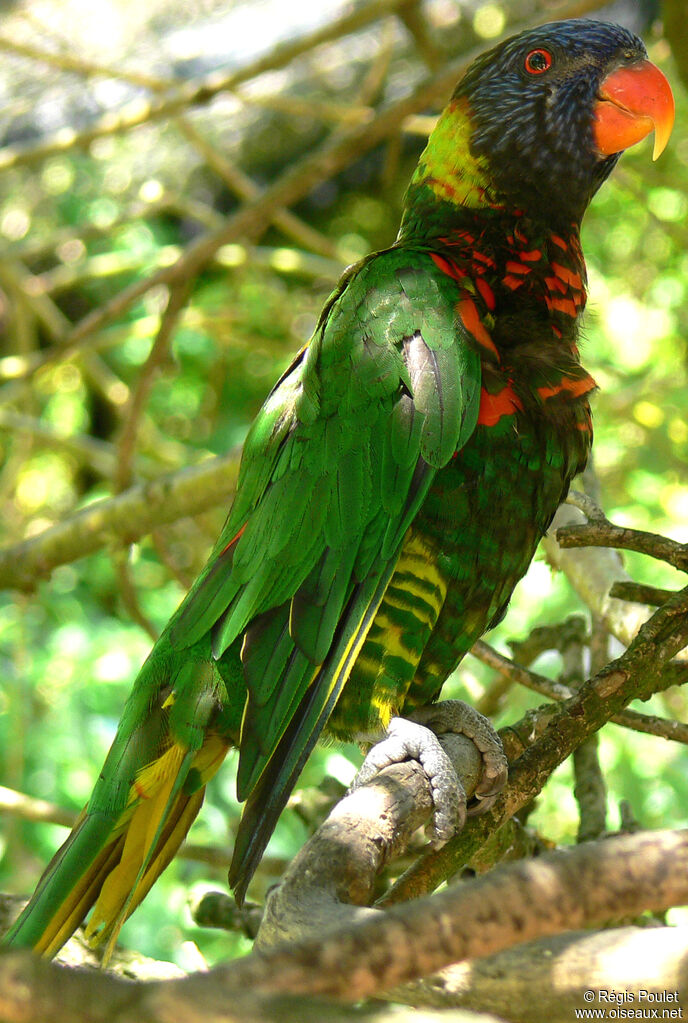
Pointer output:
393, 487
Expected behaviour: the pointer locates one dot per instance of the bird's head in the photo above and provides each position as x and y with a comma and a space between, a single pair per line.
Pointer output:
539, 121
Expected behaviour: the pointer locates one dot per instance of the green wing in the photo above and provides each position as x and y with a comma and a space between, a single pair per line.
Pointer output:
335, 468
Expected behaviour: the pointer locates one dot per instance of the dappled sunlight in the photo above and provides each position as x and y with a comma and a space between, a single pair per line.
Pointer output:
622, 960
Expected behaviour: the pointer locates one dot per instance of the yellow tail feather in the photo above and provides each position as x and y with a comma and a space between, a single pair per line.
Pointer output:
156, 828
142, 843
80, 900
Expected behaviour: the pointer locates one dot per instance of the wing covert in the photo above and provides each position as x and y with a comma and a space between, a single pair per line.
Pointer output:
335, 468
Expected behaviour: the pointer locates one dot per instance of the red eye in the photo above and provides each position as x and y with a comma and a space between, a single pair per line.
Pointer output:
538, 61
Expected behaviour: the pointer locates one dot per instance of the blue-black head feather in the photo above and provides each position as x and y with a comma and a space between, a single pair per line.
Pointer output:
536, 130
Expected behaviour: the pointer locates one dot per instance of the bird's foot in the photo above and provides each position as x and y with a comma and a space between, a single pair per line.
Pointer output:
462, 719
416, 738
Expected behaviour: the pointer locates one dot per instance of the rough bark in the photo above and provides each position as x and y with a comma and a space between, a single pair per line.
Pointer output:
515, 903
546, 981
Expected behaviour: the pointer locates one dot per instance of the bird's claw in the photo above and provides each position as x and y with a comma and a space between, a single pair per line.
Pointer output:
417, 739
410, 740
462, 719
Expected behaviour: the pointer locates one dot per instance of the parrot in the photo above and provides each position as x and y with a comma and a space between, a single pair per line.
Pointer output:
393, 487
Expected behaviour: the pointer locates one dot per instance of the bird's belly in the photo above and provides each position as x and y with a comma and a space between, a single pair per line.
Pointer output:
471, 542
404, 622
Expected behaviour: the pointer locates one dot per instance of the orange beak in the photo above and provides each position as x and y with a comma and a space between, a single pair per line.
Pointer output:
632, 102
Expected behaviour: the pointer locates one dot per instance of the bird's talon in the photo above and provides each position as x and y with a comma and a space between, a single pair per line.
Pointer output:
417, 739
460, 718
409, 740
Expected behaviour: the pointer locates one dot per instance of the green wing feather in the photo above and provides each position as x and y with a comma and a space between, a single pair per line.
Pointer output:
335, 468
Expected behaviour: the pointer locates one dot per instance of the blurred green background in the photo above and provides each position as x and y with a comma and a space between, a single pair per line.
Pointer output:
78, 225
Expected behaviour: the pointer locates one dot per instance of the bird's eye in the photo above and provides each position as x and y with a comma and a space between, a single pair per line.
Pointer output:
538, 61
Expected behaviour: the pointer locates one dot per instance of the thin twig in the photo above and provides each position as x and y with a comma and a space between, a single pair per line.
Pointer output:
81, 66
641, 593
606, 534
98, 455
126, 442
589, 790
246, 189
129, 595
592, 572
184, 577
647, 723
33, 250
412, 17
311, 109
16, 277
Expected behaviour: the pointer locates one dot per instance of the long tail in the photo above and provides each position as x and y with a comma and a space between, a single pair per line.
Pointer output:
148, 794
110, 866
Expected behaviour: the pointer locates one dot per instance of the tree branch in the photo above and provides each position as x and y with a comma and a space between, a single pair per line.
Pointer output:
98, 455
120, 520
558, 691
545, 981
514, 903
634, 675
334, 874
606, 534
641, 593
592, 573
126, 442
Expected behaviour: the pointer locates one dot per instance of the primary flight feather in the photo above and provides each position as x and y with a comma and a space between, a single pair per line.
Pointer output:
394, 485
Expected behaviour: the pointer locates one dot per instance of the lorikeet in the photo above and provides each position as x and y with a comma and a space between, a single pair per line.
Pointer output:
396, 482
